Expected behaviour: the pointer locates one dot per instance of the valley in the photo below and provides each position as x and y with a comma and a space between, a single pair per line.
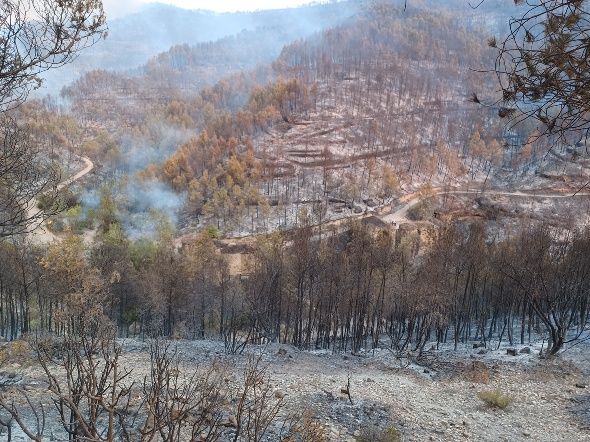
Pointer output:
353, 220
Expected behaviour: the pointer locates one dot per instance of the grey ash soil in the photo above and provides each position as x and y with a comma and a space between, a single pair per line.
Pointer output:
433, 402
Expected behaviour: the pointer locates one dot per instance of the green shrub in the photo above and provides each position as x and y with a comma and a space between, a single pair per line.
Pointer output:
212, 232
390, 434
45, 202
495, 399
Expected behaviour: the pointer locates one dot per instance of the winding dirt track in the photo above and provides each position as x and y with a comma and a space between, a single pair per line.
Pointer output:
400, 214
40, 235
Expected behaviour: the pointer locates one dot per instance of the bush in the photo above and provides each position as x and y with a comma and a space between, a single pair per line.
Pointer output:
18, 351
422, 211
390, 434
212, 232
495, 399
45, 202
69, 199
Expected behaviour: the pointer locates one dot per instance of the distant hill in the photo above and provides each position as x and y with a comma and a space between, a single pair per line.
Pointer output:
136, 38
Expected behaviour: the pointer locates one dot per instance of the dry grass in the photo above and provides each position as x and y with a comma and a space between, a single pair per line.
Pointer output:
495, 399
18, 351
478, 373
390, 434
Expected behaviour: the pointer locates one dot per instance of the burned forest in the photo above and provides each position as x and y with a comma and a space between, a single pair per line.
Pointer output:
347, 220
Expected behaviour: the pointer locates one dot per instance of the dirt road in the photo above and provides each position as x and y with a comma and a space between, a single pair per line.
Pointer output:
400, 215
40, 235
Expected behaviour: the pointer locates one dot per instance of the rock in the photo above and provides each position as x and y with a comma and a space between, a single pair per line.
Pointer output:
357, 433
526, 433
581, 385
369, 380
426, 371
10, 378
483, 351
282, 352
525, 351
232, 421
512, 352
329, 395
480, 345
280, 394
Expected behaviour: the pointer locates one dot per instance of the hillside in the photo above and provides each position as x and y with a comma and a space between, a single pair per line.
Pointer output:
134, 39
336, 125
359, 221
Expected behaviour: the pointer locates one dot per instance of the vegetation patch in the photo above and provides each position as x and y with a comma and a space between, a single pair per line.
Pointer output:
390, 434
495, 399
